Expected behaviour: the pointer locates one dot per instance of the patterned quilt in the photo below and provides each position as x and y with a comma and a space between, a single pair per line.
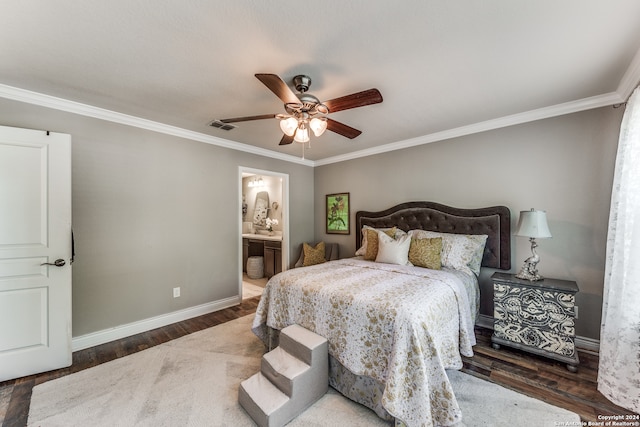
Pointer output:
400, 325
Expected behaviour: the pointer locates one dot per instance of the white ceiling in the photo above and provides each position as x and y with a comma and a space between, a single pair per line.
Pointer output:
444, 68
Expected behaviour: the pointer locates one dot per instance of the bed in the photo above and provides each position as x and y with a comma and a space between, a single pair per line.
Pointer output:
393, 327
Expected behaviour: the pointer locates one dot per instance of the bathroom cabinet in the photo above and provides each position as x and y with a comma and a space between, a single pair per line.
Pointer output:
272, 258
271, 250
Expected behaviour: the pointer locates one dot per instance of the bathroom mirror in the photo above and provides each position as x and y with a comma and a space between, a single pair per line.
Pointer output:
261, 209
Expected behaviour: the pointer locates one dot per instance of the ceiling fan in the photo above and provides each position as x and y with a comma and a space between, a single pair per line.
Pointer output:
305, 112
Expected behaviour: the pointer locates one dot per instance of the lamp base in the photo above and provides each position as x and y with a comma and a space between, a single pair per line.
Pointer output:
529, 270
525, 274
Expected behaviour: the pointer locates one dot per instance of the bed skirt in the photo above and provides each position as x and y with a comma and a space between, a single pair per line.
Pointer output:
361, 389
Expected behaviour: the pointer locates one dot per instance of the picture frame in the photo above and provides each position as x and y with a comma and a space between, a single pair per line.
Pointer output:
338, 213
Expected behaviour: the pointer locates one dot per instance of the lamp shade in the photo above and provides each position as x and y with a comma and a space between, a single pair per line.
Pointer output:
533, 223
302, 135
318, 125
289, 125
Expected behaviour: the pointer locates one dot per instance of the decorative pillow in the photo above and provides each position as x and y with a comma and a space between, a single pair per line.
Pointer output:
459, 251
313, 256
363, 246
372, 241
426, 252
362, 250
393, 251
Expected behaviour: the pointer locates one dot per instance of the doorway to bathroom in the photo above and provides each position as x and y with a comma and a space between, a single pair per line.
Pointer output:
264, 228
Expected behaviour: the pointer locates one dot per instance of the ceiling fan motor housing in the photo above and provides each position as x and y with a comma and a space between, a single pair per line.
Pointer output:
302, 83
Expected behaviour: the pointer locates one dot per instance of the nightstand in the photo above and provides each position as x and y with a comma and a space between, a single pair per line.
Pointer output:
537, 317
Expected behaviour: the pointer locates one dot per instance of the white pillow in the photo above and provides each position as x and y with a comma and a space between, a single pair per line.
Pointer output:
362, 250
393, 251
459, 251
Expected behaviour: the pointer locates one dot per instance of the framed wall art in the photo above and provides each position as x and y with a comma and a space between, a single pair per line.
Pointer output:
338, 213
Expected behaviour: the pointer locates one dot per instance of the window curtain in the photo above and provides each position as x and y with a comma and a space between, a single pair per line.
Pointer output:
619, 366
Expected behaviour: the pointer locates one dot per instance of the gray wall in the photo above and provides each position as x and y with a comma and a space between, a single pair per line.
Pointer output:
151, 212
563, 165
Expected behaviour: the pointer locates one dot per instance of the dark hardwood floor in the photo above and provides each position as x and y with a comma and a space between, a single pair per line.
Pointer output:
543, 378
531, 375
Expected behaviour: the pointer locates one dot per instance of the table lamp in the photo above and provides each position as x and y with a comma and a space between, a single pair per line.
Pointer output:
532, 224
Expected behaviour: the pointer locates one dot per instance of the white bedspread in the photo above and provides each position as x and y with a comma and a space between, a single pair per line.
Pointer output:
400, 325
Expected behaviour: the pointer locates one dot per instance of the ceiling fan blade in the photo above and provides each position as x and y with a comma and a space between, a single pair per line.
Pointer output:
280, 88
248, 118
342, 129
286, 139
360, 99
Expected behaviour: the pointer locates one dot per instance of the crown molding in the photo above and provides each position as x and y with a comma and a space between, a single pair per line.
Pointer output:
61, 104
630, 79
506, 121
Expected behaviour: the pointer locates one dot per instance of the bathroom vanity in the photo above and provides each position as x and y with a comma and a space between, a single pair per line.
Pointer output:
269, 247
256, 240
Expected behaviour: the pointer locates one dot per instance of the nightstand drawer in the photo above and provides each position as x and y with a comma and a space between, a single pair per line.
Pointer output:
541, 339
547, 310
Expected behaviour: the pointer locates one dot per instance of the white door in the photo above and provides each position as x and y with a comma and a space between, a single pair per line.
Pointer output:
35, 232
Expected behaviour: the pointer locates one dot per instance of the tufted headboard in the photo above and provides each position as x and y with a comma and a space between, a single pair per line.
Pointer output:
493, 221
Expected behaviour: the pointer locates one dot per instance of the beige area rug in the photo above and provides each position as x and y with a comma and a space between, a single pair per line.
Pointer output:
193, 381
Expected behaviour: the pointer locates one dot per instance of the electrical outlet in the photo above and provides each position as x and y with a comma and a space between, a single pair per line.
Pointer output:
575, 309
176, 292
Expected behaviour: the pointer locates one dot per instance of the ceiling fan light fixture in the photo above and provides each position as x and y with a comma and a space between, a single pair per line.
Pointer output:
302, 134
289, 125
302, 108
318, 125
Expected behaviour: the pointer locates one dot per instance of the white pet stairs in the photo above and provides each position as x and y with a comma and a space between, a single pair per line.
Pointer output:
292, 377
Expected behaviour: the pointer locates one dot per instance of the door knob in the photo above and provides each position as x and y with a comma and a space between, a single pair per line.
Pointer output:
58, 263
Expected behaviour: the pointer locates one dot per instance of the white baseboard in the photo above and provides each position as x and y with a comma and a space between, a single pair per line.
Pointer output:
123, 331
585, 344
588, 345
101, 337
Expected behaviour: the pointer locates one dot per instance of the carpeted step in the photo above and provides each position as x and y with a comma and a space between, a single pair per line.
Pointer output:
301, 343
282, 369
293, 376
263, 401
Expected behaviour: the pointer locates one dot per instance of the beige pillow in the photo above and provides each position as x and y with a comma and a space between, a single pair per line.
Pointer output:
372, 241
426, 252
313, 256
